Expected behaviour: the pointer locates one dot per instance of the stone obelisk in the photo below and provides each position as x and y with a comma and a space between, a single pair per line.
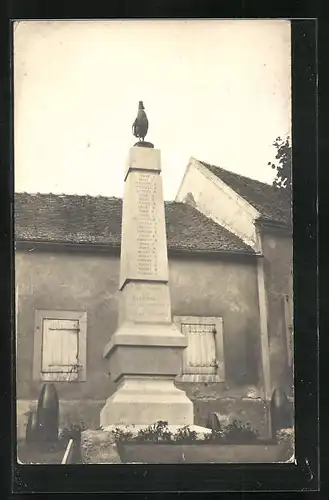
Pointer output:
145, 352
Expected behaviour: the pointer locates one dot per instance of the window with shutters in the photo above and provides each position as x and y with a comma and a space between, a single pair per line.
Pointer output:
60, 346
289, 328
203, 358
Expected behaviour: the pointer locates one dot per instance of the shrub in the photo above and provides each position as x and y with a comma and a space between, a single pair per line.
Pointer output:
155, 433
238, 432
72, 431
121, 435
185, 435
215, 436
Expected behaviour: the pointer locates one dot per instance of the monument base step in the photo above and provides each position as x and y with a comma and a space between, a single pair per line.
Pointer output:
146, 401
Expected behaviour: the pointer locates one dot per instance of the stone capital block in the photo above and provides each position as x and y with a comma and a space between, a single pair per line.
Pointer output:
143, 159
145, 350
148, 335
140, 354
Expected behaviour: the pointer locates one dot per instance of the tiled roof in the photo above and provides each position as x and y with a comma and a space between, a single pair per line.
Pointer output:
272, 203
97, 220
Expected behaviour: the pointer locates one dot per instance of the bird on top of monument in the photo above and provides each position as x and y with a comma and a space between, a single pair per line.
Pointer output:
141, 124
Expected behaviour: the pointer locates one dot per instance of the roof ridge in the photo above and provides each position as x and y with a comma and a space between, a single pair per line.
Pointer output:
272, 203
71, 195
99, 196
206, 164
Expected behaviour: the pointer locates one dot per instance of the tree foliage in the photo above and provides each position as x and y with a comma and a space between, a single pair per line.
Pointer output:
283, 166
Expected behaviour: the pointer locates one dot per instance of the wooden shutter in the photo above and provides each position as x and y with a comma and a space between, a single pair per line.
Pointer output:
200, 355
288, 315
60, 348
203, 358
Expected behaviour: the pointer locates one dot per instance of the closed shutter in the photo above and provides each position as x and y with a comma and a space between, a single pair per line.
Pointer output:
199, 357
203, 358
60, 349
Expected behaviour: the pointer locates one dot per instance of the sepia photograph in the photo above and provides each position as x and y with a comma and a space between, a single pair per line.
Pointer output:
153, 241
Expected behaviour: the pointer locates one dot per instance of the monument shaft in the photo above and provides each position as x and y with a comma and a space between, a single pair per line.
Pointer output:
145, 352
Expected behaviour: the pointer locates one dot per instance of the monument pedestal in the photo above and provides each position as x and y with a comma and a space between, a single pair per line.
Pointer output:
146, 400
145, 352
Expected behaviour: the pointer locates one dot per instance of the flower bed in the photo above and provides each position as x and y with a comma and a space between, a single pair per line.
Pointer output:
161, 433
236, 443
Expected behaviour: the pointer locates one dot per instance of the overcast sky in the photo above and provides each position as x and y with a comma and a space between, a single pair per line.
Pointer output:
216, 90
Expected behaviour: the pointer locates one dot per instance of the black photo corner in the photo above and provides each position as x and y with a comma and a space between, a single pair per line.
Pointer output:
308, 178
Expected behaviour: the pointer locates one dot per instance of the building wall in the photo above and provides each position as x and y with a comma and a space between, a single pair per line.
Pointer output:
226, 289
89, 282
277, 250
218, 201
67, 281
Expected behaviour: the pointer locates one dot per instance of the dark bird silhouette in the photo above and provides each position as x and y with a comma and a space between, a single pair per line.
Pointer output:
141, 124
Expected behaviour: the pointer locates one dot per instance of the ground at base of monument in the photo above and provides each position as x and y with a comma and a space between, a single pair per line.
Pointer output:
41, 453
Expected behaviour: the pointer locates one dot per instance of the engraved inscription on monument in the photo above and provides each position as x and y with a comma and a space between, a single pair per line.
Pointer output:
146, 303
144, 224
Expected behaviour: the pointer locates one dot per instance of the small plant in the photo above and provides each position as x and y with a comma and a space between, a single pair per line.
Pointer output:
238, 432
155, 433
185, 435
121, 435
215, 436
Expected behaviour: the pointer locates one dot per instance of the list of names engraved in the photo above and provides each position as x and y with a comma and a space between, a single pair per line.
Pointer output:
144, 247
146, 224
